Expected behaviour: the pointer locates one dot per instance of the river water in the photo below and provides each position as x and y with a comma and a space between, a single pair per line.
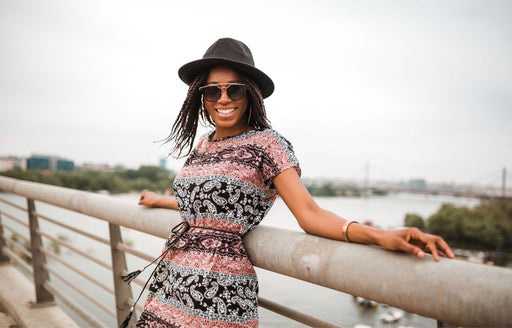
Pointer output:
332, 306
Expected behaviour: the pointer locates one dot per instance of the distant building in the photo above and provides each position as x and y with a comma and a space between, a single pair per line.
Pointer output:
65, 165
12, 162
52, 163
38, 162
95, 167
163, 163
418, 184
119, 167
101, 167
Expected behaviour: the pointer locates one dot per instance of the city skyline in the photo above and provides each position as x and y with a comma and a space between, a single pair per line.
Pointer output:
494, 180
415, 89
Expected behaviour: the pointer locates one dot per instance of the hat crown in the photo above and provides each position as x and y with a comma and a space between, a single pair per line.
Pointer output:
231, 49
232, 53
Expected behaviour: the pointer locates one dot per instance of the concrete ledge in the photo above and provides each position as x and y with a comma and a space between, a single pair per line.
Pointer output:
6, 321
16, 293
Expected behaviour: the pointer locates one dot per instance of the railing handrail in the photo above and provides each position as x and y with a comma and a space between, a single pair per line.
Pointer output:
451, 291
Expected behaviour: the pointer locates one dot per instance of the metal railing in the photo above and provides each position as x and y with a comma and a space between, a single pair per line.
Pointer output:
450, 291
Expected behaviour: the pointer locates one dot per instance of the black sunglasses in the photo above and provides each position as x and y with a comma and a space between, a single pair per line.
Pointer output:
211, 93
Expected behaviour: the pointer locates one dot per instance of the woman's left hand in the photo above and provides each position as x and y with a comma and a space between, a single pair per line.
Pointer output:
415, 242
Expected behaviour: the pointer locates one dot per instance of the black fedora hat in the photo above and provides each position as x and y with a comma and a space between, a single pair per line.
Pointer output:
229, 52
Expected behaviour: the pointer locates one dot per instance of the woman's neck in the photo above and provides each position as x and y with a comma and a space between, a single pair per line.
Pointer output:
224, 133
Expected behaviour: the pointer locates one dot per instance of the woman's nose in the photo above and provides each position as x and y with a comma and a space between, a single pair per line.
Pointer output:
224, 98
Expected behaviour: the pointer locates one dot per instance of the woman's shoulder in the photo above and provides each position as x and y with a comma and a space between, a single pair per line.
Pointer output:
279, 151
274, 143
273, 136
270, 134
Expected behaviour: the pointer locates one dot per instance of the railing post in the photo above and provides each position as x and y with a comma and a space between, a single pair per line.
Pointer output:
41, 275
123, 291
3, 258
441, 324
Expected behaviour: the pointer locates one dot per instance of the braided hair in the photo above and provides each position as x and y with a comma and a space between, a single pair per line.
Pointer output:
255, 113
184, 129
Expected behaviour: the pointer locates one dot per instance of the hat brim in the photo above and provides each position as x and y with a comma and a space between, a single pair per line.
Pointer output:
189, 71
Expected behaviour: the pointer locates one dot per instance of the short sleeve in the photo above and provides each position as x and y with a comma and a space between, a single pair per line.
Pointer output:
279, 156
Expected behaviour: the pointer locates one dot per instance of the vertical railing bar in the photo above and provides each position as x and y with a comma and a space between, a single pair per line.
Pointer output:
123, 291
3, 243
41, 275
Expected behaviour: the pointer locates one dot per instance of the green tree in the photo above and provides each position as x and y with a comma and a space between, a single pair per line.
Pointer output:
152, 173
146, 177
414, 220
322, 190
447, 222
487, 226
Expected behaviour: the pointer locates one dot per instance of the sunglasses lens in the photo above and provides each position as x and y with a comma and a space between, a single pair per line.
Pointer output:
236, 92
211, 93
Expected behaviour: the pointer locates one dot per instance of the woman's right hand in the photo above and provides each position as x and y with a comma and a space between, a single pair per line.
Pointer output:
148, 198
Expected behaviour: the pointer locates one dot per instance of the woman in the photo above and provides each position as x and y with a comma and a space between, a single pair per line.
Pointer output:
227, 185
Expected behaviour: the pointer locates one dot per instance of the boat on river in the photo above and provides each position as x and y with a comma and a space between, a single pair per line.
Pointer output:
392, 316
365, 302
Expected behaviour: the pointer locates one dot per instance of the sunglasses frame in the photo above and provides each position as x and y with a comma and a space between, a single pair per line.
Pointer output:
225, 86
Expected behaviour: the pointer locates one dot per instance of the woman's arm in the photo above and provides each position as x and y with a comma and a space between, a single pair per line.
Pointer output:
320, 222
150, 199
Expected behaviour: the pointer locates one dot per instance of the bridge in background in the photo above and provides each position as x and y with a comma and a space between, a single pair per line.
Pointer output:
451, 291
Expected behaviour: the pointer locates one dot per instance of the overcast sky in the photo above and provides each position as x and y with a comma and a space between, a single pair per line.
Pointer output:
417, 89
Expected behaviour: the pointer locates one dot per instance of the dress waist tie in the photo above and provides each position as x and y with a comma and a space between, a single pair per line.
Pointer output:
176, 233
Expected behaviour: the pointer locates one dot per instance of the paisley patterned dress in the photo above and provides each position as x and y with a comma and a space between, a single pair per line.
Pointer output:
224, 190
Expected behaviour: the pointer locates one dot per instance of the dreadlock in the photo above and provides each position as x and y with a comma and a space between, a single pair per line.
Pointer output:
257, 116
184, 128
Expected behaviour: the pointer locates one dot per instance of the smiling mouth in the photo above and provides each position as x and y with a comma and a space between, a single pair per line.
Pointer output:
225, 110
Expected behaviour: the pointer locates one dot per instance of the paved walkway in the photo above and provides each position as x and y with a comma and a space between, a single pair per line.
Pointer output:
6, 321
16, 293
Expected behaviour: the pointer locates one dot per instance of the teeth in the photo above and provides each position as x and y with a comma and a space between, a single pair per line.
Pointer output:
225, 110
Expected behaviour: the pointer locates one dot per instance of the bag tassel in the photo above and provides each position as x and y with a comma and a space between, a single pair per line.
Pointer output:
132, 275
124, 324
177, 231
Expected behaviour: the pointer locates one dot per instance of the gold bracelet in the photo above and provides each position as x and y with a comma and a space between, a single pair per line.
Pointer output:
345, 228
